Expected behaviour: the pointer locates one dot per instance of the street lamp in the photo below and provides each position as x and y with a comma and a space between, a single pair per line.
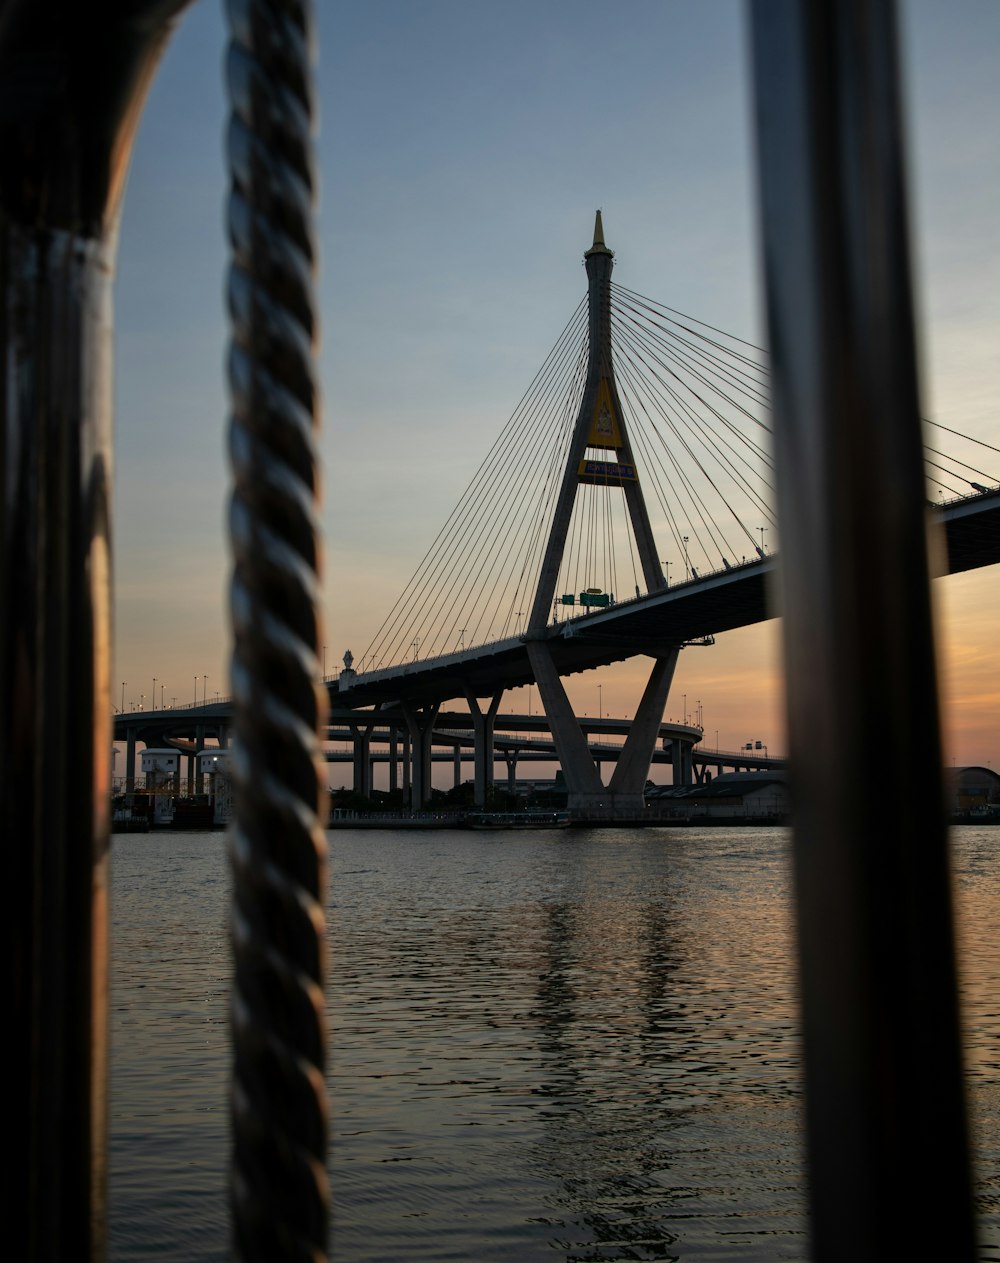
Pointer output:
600, 702
687, 560
761, 529
204, 688
685, 708
124, 682
153, 694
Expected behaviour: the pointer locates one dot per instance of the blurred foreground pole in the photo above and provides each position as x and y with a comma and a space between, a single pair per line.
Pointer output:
279, 1199
886, 1119
72, 81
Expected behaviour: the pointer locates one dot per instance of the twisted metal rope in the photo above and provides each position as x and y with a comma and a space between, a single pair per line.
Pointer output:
278, 1187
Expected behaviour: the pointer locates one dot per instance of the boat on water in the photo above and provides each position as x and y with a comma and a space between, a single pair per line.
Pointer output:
518, 820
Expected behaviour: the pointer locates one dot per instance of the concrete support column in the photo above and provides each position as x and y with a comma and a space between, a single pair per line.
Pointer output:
483, 727
199, 745
458, 765
129, 760
407, 769
677, 762
420, 724
362, 759
583, 782
510, 758
393, 760
628, 782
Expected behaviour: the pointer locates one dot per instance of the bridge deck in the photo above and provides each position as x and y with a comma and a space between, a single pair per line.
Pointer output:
689, 611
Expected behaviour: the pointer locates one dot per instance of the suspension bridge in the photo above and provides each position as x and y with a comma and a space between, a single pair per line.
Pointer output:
625, 510
645, 432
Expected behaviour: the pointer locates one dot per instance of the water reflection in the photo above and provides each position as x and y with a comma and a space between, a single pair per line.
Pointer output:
614, 1022
544, 1047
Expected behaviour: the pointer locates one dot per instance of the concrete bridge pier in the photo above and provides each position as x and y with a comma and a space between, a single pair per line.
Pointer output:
393, 760
130, 761
585, 789
628, 781
626, 789
483, 728
681, 763
192, 758
362, 783
420, 724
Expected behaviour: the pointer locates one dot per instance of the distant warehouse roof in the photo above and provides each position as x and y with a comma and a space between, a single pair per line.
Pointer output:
729, 786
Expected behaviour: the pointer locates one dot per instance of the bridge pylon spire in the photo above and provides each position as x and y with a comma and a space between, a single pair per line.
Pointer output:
599, 427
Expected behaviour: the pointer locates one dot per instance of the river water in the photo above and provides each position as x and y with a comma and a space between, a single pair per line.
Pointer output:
571, 1045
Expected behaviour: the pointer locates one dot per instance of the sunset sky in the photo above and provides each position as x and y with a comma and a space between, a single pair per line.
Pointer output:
463, 149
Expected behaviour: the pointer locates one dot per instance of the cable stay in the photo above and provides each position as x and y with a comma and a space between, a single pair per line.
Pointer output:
695, 401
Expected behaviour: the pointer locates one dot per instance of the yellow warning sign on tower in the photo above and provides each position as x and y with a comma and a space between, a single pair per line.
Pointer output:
605, 430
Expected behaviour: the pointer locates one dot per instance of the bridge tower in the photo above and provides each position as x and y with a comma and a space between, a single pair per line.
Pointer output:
599, 427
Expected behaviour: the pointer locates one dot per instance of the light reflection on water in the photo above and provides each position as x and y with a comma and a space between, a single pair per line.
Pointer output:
576, 1045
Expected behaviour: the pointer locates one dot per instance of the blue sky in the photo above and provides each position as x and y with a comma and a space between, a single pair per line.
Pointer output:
463, 149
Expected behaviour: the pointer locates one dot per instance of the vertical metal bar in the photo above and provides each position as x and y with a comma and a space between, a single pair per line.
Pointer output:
885, 1102
72, 92
56, 732
278, 1188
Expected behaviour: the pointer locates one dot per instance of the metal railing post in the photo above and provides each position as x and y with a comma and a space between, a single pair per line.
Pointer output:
885, 1100
73, 85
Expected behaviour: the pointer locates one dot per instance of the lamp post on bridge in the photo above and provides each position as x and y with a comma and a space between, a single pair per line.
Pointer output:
122, 711
687, 559
153, 695
204, 690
